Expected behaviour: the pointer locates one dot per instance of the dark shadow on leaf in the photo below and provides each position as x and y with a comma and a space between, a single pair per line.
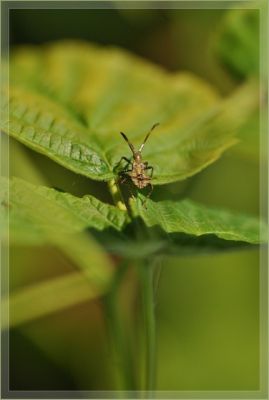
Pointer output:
138, 241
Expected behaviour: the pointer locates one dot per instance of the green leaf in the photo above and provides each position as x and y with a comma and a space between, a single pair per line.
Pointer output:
70, 100
36, 210
250, 137
238, 41
44, 298
195, 219
46, 127
33, 215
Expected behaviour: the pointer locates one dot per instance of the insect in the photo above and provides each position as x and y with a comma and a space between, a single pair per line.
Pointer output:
136, 169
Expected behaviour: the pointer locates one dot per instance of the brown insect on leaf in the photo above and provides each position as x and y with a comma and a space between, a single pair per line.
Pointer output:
136, 169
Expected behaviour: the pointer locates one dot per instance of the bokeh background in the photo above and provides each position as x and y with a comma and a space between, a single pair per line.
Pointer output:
207, 305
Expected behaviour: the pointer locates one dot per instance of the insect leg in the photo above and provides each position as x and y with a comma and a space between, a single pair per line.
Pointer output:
125, 159
123, 175
128, 161
122, 178
149, 167
130, 187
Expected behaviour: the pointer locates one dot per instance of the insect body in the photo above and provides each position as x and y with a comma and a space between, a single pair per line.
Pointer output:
137, 169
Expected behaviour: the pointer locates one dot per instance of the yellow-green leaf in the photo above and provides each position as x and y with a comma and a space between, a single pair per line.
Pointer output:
31, 214
195, 219
35, 210
43, 298
70, 100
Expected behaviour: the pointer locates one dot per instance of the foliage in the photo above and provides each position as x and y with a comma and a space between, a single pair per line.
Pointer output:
238, 46
37, 210
195, 219
69, 101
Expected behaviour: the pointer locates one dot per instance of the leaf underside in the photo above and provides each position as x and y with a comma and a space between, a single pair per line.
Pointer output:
70, 100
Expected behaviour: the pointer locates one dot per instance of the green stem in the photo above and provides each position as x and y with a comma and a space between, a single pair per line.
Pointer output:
118, 333
116, 195
150, 326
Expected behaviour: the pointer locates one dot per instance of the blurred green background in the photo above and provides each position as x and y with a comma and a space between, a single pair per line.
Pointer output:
207, 306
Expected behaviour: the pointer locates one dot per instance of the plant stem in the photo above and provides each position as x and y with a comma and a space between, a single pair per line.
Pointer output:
147, 271
116, 195
118, 335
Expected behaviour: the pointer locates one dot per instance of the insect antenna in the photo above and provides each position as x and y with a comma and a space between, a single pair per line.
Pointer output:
146, 138
127, 140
